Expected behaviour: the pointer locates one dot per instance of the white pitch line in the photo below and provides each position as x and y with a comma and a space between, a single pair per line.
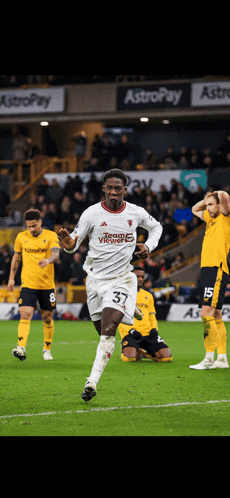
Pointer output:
110, 408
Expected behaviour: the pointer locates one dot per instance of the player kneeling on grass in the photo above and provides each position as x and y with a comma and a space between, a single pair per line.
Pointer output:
143, 335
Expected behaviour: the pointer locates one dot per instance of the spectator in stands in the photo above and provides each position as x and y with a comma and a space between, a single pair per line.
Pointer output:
78, 204
139, 196
63, 272
107, 152
65, 215
226, 161
178, 259
170, 232
182, 213
124, 149
54, 192
163, 212
69, 187
42, 187
13, 217
173, 203
52, 213
208, 160
195, 162
19, 146
78, 274
225, 146
174, 186
164, 194
183, 163
78, 183
4, 200
81, 142
32, 149
97, 146
93, 189
46, 222
5, 260
184, 194
151, 268
150, 161
164, 265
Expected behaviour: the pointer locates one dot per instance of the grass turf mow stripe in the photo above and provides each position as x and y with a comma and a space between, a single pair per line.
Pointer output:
110, 408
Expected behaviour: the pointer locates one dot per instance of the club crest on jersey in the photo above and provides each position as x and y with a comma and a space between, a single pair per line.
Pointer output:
130, 222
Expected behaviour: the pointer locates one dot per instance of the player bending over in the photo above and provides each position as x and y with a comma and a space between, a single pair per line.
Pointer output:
143, 334
111, 285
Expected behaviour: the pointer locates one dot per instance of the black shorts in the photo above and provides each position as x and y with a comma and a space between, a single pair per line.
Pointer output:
30, 297
152, 343
213, 283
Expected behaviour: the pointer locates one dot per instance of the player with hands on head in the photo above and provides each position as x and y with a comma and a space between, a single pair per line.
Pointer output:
111, 285
214, 209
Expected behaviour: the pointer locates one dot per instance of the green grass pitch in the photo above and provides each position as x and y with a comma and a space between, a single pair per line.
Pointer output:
133, 399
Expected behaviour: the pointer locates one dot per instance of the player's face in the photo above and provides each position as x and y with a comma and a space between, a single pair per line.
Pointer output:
34, 226
140, 278
114, 190
212, 207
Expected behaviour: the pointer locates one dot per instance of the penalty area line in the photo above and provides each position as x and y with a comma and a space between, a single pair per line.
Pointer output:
111, 408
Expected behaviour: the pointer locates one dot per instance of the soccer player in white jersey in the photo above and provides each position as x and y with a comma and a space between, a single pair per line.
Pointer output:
111, 285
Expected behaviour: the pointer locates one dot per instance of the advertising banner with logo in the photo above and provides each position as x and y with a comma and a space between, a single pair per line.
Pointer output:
32, 101
210, 94
153, 96
169, 312
144, 179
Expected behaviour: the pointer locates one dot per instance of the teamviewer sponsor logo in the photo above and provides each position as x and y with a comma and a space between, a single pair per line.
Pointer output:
116, 238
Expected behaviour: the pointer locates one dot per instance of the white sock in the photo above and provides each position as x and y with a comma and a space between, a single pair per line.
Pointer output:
105, 349
222, 357
210, 356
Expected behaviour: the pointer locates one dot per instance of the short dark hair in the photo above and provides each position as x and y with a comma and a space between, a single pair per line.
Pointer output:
32, 214
117, 173
140, 268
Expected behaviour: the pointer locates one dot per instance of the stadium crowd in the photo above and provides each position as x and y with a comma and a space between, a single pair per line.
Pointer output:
64, 206
107, 153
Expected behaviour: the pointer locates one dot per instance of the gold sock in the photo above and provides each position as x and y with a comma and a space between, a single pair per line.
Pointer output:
221, 337
126, 358
23, 332
48, 331
210, 333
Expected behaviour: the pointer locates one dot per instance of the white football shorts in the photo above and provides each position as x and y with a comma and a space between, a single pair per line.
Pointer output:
119, 293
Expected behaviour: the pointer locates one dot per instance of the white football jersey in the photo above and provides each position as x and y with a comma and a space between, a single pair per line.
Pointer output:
112, 237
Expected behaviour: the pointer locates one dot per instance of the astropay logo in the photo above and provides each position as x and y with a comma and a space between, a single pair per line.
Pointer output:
139, 95
211, 94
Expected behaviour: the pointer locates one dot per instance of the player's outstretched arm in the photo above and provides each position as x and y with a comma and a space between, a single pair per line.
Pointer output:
67, 241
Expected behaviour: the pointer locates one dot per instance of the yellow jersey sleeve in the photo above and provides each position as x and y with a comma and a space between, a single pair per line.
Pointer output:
18, 244
54, 242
